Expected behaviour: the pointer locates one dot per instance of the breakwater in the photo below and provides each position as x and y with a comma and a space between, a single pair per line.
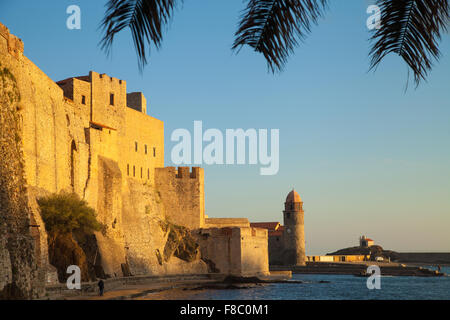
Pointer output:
357, 269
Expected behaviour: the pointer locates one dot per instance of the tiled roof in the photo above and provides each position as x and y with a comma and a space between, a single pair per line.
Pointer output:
271, 226
276, 233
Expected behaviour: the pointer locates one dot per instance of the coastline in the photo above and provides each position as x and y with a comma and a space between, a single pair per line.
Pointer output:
360, 269
137, 286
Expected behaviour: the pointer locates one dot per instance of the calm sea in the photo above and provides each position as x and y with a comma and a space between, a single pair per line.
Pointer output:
336, 287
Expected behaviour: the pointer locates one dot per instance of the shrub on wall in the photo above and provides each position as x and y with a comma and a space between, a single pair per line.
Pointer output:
68, 220
66, 212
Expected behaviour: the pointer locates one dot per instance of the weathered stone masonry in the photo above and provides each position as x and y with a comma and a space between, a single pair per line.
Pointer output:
87, 135
78, 135
19, 262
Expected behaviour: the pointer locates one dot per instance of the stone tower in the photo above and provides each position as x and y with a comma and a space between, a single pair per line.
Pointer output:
294, 230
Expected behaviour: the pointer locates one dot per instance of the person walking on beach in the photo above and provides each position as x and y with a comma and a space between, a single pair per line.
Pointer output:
101, 287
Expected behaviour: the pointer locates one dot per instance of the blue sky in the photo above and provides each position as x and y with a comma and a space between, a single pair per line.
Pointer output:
366, 156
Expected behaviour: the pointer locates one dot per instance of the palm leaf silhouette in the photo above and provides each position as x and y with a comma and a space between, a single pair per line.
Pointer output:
145, 18
410, 29
273, 27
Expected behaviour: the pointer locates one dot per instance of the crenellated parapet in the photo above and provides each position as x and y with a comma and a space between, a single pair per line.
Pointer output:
182, 190
186, 173
15, 45
193, 173
104, 77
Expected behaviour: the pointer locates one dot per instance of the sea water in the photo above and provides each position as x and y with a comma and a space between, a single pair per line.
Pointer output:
328, 287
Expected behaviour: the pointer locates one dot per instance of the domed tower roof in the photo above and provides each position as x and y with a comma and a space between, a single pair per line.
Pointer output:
293, 196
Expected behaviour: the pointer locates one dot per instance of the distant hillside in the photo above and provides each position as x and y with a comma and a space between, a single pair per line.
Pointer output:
406, 257
374, 252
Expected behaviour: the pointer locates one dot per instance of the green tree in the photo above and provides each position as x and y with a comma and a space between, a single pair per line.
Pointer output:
65, 213
409, 28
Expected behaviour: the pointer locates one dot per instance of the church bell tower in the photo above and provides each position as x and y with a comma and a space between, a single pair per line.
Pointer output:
294, 230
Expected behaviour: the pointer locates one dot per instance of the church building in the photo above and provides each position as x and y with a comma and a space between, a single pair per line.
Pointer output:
287, 241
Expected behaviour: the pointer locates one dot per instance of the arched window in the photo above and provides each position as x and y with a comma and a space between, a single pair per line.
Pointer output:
73, 153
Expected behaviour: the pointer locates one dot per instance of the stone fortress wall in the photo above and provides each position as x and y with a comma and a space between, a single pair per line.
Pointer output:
239, 251
182, 190
23, 263
86, 135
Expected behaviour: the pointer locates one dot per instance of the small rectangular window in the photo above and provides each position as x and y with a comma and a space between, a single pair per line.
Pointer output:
111, 99
128, 170
134, 171
136, 146
145, 149
141, 173
148, 173
83, 99
154, 152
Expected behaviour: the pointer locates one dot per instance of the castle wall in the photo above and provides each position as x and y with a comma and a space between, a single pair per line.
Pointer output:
145, 237
50, 124
141, 146
79, 92
276, 247
182, 193
254, 251
5, 265
219, 251
46, 272
103, 112
44, 128
75, 153
235, 251
75, 140
76, 137
109, 210
226, 222
69, 143
19, 257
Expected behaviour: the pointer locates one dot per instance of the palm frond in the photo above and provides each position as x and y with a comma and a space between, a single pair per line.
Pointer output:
145, 18
273, 27
412, 30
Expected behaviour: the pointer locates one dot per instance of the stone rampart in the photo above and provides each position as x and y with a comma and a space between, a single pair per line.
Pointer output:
182, 193
235, 251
